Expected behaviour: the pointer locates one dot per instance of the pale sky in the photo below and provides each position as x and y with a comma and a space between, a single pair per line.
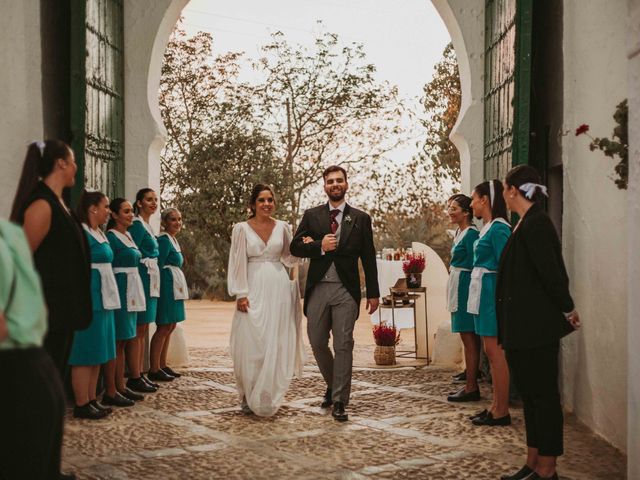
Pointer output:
403, 38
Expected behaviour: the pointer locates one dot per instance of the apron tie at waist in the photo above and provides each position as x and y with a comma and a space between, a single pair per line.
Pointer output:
154, 275
135, 291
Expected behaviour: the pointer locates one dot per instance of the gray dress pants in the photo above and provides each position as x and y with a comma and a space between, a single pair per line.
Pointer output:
331, 308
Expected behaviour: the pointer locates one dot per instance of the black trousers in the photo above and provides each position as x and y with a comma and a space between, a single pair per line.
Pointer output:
31, 416
535, 373
58, 345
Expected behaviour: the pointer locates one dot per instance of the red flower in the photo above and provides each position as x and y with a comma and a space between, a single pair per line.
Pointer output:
385, 335
414, 263
584, 128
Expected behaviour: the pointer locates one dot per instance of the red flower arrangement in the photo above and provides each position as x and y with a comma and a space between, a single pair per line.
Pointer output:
413, 263
385, 335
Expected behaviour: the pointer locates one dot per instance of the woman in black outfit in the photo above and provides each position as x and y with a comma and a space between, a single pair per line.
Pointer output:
59, 246
534, 310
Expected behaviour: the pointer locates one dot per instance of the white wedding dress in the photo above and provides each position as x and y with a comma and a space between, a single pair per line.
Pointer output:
266, 342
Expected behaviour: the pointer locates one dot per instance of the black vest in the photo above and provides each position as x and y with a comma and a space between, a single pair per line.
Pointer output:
64, 263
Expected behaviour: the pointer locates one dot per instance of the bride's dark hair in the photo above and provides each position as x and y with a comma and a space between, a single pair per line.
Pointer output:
255, 193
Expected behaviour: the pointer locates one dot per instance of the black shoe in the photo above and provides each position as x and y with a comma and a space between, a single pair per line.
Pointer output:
160, 376
139, 385
462, 396
521, 474
535, 476
67, 476
460, 377
118, 400
99, 406
149, 382
338, 412
481, 414
489, 421
171, 372
131, 395
326, 401
88, 411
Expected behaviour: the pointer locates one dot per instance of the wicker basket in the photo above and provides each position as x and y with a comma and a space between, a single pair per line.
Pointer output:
385, 355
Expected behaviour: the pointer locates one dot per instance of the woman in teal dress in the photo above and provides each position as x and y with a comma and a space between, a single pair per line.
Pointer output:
462, 322
145, 205
96, 344
488, 204
173, 291
126, 258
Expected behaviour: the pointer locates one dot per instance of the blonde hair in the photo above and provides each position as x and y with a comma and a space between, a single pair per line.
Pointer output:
165, 215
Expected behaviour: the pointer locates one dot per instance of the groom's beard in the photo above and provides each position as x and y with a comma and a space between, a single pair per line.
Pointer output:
335, 196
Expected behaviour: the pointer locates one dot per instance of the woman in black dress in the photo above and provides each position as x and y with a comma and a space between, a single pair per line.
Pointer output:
534, 310
59, 246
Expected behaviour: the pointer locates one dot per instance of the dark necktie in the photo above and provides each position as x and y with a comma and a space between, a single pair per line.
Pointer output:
334, 224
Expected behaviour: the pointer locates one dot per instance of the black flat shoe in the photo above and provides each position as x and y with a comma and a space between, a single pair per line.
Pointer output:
481, 414
100, 407
139, 385
460, 377
535, 476
489, 421
149, 382
521, 474
160, 376
131, 395
118, 400
326, 401
89, 412
462, 396
171, 372
338, 412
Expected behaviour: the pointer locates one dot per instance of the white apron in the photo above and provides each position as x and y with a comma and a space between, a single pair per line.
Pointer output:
475, 287
135, 290
151, 263
108, 285
454, 276
180, 289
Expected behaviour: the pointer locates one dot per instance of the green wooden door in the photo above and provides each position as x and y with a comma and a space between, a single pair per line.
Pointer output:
97, 95
507, 85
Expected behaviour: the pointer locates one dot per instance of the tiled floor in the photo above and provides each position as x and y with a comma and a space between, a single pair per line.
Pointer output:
400, 427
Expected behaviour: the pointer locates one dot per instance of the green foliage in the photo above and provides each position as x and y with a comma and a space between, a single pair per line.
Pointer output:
617, 148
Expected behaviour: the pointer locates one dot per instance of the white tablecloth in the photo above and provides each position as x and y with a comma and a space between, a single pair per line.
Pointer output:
389, 271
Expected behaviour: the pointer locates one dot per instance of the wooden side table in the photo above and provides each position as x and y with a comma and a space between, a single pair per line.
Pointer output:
412, 295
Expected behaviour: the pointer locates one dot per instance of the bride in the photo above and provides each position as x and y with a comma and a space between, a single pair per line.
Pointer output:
266, 339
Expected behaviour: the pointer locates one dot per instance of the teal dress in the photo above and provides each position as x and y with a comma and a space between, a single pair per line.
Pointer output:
124, 256
170, 310
487, 250
462, 257
148, 246
96, 344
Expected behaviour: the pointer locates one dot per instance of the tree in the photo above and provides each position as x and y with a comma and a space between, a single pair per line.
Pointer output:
324, 107
442, 98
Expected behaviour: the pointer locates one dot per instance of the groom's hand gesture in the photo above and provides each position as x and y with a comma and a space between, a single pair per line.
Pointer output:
329, 243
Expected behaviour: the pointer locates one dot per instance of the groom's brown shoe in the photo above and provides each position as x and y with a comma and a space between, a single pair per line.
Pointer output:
338, 412
326, 401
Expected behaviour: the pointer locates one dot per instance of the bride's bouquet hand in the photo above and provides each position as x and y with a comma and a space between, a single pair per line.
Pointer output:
242, 304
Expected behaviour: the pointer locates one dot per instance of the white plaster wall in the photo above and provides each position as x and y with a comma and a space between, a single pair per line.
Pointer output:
595, 220
633, 201
464, 20
20, 91
147, 27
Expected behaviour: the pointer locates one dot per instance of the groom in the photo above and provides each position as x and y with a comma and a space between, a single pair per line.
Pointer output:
341, 235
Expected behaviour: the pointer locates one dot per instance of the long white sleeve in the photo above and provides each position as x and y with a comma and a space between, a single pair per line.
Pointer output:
285, 257
237, 282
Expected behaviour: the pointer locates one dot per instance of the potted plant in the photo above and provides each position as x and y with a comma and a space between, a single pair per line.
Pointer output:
413, 266
386, 339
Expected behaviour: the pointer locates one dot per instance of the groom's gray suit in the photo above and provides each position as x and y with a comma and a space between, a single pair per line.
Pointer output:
332, 293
